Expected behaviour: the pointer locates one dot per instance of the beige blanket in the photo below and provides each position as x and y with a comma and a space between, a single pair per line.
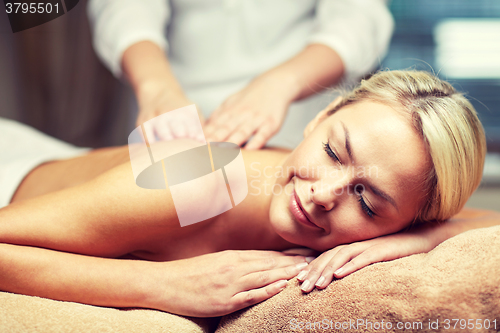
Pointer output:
460, 279
26, 314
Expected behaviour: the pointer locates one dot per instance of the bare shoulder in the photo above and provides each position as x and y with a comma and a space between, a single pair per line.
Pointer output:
267, 156
473, 213
108, 215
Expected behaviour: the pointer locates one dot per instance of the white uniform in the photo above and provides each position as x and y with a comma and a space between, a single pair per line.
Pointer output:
23, 148
216, 47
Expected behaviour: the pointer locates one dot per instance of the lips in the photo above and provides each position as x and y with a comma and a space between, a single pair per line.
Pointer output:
298, 211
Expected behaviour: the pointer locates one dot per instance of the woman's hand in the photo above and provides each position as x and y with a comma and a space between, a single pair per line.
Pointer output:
346, 259
259, 110
147, 68
219, 283
155, 98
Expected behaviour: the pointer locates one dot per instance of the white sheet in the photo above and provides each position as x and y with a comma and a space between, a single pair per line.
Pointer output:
23, 148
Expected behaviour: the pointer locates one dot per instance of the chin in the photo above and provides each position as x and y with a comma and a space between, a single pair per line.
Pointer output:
287, 228
283, 226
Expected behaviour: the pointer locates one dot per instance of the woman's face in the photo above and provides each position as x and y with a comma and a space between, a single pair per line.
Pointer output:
357, 175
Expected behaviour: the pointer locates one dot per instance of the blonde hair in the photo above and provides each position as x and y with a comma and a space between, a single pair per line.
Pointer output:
449, 126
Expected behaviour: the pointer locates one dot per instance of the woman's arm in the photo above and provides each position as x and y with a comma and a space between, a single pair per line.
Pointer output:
130, 38
148, 70
346, 259
118, 24
158, 91
207, 286
70, 277
108, 216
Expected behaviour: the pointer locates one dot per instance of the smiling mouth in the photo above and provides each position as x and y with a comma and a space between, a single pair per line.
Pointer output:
298, 212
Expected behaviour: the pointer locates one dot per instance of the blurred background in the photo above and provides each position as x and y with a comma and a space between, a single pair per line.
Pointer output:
51, 79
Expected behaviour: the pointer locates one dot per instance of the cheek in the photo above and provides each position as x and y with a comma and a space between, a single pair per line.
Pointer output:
367, 229
278, 210
348, 226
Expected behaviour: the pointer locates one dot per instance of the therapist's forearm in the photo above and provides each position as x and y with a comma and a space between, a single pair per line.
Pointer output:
145, 65
314, 69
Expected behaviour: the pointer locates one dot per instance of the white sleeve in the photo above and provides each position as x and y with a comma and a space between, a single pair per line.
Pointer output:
117, 24
358, 30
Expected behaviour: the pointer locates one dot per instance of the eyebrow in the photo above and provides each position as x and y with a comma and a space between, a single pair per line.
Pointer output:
372, 187
347, 143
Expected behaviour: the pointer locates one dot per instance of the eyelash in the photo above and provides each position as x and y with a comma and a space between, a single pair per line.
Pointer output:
365, 207
362, 202
330, 152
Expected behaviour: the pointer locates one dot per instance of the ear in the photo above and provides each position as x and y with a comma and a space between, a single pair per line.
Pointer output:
322, 115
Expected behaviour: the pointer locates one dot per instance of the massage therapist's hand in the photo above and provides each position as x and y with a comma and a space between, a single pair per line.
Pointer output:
346, 259
156, 98
259, 110
157, 90
219, 283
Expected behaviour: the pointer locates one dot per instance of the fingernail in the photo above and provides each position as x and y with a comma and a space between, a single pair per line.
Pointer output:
305, 284
282, 284
302, 275
309, 259
320, 281
338, 271
301, 265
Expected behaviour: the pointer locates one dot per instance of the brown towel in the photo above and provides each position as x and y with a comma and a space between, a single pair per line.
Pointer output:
459, 279
25, 314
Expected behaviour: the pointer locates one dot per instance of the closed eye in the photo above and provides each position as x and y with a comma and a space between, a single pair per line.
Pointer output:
360, 189
329, 152
365, 207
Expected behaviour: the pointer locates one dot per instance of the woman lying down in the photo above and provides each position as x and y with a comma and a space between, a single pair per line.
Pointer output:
81, 230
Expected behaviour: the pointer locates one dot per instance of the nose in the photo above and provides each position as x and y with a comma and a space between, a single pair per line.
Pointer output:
329, 193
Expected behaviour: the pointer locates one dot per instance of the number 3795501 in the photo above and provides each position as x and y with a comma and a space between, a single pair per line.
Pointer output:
32, 8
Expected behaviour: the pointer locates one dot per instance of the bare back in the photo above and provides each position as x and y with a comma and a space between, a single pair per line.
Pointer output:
100, 211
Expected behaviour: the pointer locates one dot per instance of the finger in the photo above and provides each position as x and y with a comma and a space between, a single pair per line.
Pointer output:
221, 133
367, 257
149, 132
242, 124
263, 278
164, 132
261, 137
227, 123
346, 254
217, 118
200, 137
186, 127
249, 255
315, 273
326, 277
304, 251
254, 296
273, 262
322, 260
195, 131
328, 266
310, 275
178, 128
242, 134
